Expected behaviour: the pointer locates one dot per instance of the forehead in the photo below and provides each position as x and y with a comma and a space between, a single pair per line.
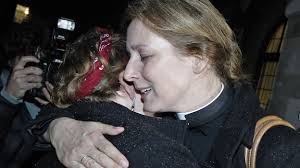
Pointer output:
138, 35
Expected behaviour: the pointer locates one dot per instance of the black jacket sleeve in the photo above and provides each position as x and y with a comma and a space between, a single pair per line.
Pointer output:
47, 114
16, 143
8, 112
158, 153
279, 147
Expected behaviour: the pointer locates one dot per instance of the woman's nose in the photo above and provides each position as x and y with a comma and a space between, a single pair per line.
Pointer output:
132, 71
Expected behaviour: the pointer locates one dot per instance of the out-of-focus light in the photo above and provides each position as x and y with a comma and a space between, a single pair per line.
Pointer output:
21, 13
26, 11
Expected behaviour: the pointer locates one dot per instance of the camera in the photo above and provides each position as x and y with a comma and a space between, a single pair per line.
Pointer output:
49, 63
51, 58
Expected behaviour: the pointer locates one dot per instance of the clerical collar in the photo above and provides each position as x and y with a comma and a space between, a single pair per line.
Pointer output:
181, 116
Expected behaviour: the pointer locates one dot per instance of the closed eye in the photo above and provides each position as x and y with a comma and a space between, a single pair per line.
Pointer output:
145, 57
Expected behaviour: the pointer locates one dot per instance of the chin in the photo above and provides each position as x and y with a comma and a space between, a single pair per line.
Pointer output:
154, 108
151, 108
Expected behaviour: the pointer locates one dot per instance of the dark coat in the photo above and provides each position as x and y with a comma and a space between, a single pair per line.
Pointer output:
16, 144
18, 148
146, 142
218, 134
280, 147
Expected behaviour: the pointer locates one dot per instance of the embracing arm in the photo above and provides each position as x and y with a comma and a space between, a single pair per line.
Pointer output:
143, 150
73, 140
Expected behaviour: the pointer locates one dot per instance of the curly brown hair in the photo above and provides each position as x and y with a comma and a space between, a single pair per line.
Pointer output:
78, 60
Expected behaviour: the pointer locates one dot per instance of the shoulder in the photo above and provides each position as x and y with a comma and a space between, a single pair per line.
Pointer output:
159, 151
146, 146
279, 147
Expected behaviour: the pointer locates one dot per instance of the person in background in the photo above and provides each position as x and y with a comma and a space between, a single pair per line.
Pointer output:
16, 143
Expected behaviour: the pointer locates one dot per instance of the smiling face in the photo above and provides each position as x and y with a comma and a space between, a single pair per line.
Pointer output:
164, 76
128, 97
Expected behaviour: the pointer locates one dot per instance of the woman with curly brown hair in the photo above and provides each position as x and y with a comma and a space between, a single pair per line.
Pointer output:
87, 88
90, 68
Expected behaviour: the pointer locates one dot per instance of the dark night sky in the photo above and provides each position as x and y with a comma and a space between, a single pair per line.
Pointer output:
94, 10
86, 13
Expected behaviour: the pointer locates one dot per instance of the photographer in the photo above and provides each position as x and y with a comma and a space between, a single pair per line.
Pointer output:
16, 144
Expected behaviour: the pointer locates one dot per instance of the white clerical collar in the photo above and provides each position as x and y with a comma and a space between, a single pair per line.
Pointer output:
181, 116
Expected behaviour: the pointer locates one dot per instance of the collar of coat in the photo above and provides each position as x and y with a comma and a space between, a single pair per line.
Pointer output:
240, 108
239, 125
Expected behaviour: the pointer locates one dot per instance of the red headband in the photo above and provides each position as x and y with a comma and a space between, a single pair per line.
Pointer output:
95, 74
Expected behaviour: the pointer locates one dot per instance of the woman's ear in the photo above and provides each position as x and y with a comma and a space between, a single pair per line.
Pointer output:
199, 64
126, 87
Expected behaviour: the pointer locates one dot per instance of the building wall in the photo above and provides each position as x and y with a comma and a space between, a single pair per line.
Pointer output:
285, 100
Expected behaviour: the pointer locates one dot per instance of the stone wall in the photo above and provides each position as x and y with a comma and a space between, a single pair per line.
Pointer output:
285, 100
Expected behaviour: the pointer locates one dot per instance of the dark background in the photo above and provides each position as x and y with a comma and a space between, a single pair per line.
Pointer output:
254, 21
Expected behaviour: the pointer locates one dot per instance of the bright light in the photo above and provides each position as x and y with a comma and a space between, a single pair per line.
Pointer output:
21, 13
26, 11
67, 24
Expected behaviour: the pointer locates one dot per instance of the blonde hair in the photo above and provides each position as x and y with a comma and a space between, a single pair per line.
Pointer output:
78, 60
195, 27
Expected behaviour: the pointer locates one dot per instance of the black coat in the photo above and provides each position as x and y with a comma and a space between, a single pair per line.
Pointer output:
18, 148
146, 142
16, 143
234, 128
279, 148
217, 134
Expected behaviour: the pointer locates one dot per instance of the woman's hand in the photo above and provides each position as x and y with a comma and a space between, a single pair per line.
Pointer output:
81, 144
